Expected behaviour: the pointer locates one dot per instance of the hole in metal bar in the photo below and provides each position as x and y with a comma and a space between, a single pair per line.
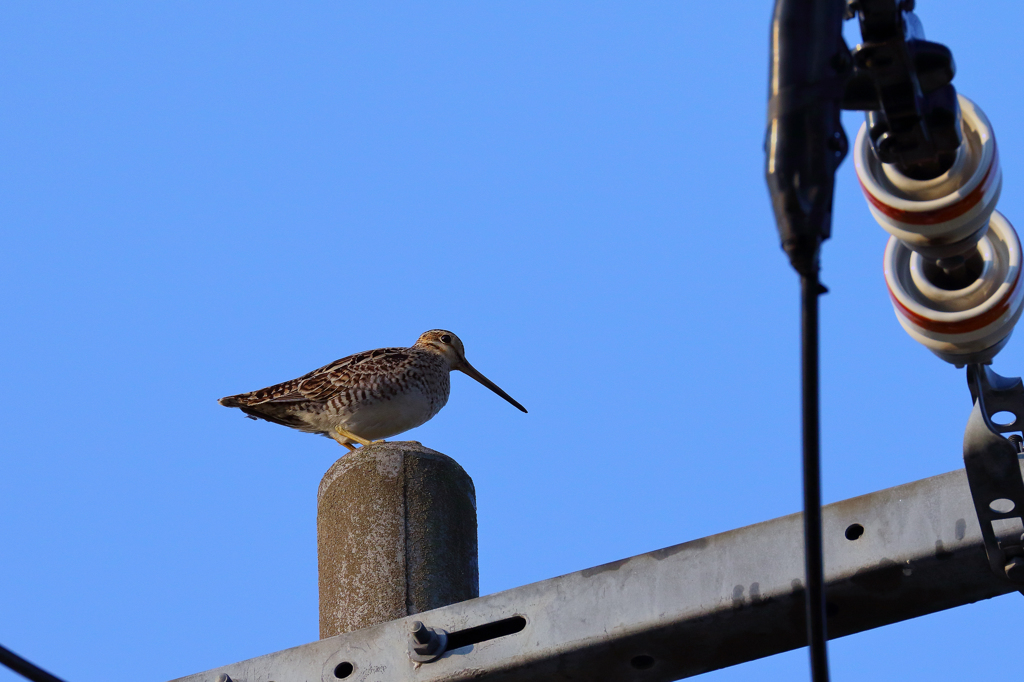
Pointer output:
1001, 506
854, 531
1004, 418
343, 670
642, 662
483, 633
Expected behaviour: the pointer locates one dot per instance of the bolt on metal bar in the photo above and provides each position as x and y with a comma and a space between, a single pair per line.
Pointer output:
683, 610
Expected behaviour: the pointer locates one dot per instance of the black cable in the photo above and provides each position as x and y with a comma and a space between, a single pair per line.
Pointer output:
24, 668
814, 564
805, 143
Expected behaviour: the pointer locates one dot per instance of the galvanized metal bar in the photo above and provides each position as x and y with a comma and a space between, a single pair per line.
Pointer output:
683, 610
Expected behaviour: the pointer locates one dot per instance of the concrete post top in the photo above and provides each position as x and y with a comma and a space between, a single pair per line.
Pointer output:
387, 457
396, 535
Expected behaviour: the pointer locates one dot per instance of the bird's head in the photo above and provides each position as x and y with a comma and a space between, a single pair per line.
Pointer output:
445, 344
449, 346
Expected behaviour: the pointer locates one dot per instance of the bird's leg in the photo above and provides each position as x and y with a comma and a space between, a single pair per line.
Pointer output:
348, 435
341, 441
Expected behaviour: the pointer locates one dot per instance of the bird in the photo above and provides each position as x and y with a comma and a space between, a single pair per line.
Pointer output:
368, 396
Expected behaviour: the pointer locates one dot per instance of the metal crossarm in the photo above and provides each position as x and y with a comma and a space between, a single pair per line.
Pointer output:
683, 610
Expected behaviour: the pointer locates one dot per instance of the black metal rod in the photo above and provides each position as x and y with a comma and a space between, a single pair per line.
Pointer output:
24, 668
814, 564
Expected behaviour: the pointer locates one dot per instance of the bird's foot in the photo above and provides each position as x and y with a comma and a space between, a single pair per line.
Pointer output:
342, 436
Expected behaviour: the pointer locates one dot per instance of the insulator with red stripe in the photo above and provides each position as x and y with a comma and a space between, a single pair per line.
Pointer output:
964, 325
937, 217
953, 263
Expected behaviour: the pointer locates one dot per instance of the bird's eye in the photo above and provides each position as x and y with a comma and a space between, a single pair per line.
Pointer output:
445, 338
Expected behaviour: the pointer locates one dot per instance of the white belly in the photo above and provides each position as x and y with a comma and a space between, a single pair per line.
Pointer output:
377, 420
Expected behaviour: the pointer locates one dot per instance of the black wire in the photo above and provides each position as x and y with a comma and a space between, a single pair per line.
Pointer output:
814, 563
24, 668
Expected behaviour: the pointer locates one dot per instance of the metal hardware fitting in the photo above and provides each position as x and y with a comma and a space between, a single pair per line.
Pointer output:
993, 469
426, 644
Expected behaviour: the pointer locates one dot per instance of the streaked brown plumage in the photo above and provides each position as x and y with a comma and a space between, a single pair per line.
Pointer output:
367, 396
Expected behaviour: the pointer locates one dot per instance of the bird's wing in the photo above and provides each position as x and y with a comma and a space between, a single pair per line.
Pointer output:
361, 371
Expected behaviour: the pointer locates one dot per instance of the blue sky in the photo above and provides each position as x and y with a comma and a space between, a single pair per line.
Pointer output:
200, 199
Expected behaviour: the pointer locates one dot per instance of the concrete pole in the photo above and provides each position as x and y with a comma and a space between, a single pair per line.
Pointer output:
396, 535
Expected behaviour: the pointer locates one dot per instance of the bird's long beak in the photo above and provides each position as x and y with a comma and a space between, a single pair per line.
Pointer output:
468, 369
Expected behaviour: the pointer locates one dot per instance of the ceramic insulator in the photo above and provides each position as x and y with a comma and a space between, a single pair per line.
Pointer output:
964, 325
949, 216
943, 216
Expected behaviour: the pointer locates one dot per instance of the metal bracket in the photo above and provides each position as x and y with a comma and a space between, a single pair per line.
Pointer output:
904, 83
993, 469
